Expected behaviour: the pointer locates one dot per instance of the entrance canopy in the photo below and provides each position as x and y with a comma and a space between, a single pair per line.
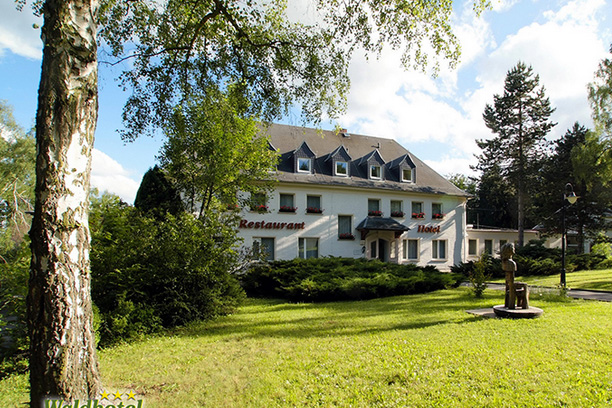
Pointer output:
381, 224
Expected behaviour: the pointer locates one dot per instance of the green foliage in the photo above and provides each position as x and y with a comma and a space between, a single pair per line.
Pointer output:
332, 279
466, 269
603, 249
17, 178
179, 49
14, 273
520, 120
149, 273
535, 249
157, 194
478, 276
600, 97
213, 152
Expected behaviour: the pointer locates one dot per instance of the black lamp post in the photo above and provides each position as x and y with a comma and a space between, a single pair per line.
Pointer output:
568, 197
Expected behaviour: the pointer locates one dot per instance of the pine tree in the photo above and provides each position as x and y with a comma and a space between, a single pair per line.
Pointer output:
157, 194
520, 120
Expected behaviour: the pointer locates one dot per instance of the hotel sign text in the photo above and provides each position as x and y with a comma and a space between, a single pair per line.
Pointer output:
429, 228
271, 225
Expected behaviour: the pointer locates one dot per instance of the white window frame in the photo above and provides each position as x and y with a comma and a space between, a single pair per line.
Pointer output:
350, 229
438, 246
320, 207
336, 173
406, 249
257, 246
401, 205
488, 251
303, 247
408, 180
475, 252
301, 160
376, 166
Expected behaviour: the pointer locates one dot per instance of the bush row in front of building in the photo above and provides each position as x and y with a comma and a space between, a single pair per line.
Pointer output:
331, 279
534, 259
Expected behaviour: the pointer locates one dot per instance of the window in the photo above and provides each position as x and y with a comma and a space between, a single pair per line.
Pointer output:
438, 249
417, 210
259, 202
345, 227
473, 247
263, 248
313, 204
341, 168
304, 165
286, 203
407, 174
308, 248
375, 171
396, 208
410, 249
374, 207
488, 246
373, 248
436, 211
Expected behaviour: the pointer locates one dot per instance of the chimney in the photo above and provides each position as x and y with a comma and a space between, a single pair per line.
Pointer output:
344, 132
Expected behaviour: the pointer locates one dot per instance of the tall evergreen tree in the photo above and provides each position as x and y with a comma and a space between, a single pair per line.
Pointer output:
520, 120
157, 193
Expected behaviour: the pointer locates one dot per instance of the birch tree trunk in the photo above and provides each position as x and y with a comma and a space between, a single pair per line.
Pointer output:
63, 359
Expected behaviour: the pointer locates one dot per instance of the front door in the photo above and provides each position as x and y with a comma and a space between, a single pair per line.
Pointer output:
383, 250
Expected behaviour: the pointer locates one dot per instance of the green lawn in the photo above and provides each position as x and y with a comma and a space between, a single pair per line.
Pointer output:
596, 280
408, 351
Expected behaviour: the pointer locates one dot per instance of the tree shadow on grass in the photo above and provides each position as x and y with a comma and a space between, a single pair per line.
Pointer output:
274, 318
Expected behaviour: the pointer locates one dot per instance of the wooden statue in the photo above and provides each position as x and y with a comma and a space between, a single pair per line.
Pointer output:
509, 267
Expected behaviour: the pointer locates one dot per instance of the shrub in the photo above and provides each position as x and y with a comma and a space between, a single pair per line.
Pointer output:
149, 273
478, 276
492, 269
329, 279
585, 262
14, 272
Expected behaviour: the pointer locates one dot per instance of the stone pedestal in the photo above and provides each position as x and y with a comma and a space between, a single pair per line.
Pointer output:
528, 313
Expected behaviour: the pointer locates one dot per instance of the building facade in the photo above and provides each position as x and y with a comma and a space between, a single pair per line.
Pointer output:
345, 195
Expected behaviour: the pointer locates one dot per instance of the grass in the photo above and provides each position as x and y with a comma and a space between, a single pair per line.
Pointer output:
590, 280
407, 351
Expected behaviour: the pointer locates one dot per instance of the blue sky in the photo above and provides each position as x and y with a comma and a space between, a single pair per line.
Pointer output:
438, 119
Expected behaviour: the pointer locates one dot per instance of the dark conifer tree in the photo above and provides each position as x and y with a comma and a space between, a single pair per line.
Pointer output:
519, 118
157, 194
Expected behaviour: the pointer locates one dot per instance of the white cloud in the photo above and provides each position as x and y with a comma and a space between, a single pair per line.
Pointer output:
452, 165
17, 33
109, 175
564, 51
564, 46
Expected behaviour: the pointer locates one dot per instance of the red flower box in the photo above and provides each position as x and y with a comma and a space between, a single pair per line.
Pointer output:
314, 210
260, 208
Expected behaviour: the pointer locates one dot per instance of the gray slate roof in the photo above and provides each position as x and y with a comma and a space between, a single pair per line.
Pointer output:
289, 140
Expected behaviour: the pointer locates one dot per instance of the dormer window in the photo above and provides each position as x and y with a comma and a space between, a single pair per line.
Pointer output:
304, 165
341, 168
407, 175
375, 171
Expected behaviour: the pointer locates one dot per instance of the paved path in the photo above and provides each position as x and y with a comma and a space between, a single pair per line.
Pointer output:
575, 293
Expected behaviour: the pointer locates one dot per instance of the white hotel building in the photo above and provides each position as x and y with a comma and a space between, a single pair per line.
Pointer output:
346, 195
